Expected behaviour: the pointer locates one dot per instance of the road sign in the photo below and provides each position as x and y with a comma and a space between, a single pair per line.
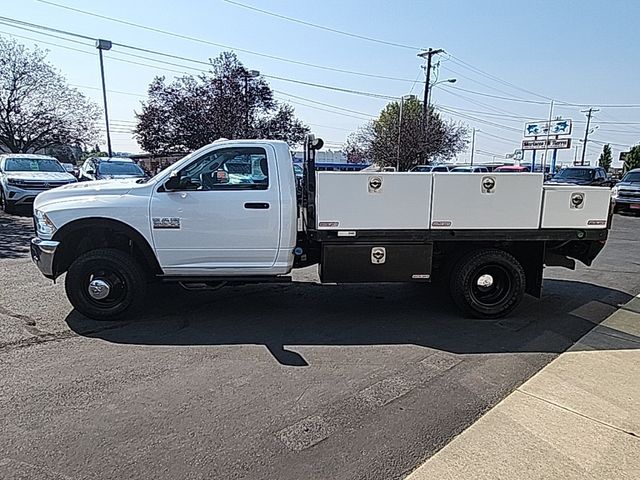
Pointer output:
555, 127
541, 144
518, 154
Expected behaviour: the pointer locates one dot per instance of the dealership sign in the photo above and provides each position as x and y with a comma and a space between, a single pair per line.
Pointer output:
554, 127
541, 144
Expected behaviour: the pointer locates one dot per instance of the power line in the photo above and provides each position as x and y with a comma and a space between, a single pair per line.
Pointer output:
476, 102
284, 79
457, 73
324, 104
470, 117
324, 109
321, 27
510, 99
223, 46
176, 71
494, 78
498, 137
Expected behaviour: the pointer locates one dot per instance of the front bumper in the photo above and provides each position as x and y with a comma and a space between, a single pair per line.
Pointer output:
19, 196
42, 254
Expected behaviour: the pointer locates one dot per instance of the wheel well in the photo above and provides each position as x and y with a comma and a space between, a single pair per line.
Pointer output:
530, 254
87, 234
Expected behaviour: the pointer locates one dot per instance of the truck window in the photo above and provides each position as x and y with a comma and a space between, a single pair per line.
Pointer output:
241, 168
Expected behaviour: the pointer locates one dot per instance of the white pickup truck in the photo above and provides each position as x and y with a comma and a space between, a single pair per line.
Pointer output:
232, 213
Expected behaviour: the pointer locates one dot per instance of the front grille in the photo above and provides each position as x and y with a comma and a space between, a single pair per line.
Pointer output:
629, 194
37, 185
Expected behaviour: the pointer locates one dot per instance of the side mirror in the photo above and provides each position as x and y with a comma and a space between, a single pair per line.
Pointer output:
173, 182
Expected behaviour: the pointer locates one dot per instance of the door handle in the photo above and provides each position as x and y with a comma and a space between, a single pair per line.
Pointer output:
257, 206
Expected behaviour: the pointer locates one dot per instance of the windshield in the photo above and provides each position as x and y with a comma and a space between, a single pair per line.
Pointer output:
577, 173
120, 168
632, 177
32, 165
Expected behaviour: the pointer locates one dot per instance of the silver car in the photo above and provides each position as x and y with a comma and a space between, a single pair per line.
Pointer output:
24, 175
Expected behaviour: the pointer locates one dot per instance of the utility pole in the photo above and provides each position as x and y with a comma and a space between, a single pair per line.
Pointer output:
586, 131
247, 76
425, 105
104, 45
473, 144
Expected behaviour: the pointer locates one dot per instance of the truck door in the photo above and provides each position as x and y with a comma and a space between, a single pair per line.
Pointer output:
222, 214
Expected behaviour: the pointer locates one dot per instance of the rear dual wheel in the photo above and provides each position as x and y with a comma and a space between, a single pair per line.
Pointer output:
487, 283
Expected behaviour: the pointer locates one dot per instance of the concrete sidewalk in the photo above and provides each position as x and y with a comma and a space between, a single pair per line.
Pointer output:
578, 418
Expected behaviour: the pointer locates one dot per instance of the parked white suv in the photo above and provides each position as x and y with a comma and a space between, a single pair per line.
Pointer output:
24, 175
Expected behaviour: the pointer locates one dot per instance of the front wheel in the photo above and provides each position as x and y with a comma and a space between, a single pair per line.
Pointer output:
488, 283
4, 203
104, 284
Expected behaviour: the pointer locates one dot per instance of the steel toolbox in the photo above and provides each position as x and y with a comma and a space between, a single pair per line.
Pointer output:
573, 206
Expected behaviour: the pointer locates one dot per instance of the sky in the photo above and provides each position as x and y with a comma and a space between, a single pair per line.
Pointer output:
580, 52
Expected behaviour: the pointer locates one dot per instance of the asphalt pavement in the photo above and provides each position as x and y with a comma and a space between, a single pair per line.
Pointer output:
271, 381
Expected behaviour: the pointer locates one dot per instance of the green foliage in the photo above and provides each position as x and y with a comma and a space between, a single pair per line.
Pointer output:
227, 102
38, 109
94, 152
605, 158
632, 159
379, 140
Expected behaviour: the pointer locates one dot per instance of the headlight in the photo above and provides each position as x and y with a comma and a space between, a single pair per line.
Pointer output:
44, 226
14, 182
614, 192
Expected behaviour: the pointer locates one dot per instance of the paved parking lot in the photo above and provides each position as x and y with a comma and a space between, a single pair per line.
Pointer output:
276, 381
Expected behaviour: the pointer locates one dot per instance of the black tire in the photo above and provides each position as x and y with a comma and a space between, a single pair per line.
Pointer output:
124, 276
470, 278
5, 204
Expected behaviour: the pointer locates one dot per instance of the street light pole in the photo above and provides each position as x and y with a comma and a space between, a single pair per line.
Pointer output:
473, 144
104, 45
247, 76
448, 80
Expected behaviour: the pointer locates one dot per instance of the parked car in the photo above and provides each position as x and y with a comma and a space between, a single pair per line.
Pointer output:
70, 168
513, 169
430, 168
106, 168
626, 194
23, 176
595, 176
469, 169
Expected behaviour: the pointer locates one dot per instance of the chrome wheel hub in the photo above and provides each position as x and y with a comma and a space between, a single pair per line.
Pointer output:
485, 281
99, 289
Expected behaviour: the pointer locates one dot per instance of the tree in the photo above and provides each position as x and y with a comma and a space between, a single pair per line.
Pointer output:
38, 109
378, 140
632, 159
605, 158
227, 102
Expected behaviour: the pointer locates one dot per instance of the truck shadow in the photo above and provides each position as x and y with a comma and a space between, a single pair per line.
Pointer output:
281, 317
16, 232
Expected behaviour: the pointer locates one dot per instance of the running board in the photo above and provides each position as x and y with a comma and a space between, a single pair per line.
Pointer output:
226, 279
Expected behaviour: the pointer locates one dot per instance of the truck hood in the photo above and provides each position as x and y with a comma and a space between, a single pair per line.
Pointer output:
86, 189
41, 176
628, 185
570, 181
